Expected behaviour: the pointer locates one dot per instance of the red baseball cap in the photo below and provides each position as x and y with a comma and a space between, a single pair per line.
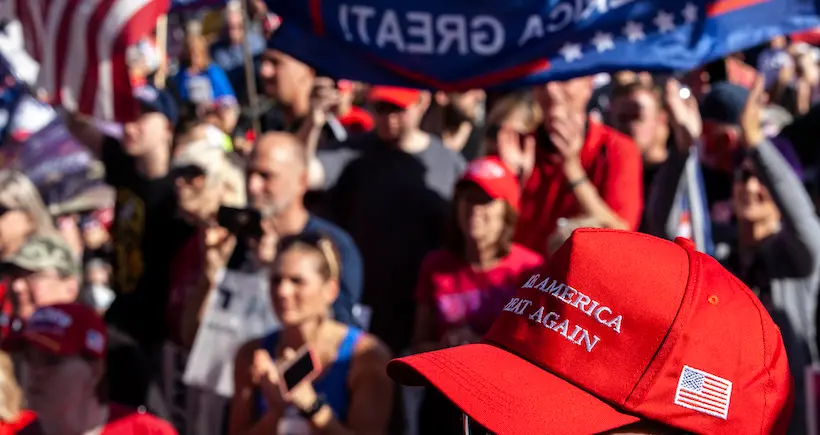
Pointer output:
605, 338
402, 97
494, 178
66, 329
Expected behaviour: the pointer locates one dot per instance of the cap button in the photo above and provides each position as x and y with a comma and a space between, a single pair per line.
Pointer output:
686, 243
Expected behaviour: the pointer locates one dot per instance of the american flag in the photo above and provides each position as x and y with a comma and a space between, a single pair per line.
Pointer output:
703, 392
81, 47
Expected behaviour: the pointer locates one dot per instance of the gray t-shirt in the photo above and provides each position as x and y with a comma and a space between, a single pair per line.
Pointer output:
394, 206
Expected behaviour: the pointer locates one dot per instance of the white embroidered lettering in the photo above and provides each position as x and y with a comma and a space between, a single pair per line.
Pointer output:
598, 314
562, 328
553, 289
522, 305
568, 294
538, 315
589, 344
548, 322
531, 282
511, 304
589, 311
615, 324
581, 301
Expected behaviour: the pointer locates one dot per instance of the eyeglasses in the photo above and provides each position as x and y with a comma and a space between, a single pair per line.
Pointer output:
472, 427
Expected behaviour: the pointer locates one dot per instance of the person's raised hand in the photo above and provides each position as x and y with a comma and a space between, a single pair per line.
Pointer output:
684, 115
265, 374
517, 151
218, 245
567, 135
303, 395
323, 98
751, 131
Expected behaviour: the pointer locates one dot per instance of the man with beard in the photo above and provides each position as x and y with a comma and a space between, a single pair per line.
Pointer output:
456, 117
277, 182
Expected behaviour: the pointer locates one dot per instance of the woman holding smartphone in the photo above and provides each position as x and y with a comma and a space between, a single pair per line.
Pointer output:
346, 391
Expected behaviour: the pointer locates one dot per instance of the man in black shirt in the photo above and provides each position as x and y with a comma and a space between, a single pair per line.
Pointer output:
146, 234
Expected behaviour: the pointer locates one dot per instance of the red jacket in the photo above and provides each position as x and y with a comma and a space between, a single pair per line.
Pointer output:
614, 165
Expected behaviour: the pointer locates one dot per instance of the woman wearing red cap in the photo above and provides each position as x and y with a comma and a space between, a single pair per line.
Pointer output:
463, 287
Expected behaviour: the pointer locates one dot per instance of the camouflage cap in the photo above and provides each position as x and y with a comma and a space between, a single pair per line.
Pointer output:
43, 252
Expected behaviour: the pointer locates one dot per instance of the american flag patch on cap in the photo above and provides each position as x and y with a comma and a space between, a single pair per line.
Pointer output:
703, 392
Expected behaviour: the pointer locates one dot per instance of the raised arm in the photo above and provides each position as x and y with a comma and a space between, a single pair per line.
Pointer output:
796, 208
84, 130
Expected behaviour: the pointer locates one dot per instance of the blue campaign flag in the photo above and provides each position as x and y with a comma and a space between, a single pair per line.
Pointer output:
462, 44
178, 5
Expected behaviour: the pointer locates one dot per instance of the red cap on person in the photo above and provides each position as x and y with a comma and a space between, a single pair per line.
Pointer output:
605, 338
66, 329
494, 178
402, 97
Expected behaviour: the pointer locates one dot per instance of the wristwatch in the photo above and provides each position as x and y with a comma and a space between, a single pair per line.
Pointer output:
315, 408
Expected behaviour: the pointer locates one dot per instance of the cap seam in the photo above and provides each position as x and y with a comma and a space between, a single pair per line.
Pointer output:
647, 378
770, 380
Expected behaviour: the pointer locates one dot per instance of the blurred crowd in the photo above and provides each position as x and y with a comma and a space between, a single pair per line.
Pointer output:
367, 222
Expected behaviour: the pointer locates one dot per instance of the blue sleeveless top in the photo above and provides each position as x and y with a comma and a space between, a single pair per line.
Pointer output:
333, 383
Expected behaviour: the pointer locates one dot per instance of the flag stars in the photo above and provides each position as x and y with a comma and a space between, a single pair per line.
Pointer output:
571, 52
603, 42
634, 31
690, 13
665, 21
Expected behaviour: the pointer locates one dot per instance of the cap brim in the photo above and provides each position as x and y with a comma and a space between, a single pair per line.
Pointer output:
18, 265
507, 394
486, 187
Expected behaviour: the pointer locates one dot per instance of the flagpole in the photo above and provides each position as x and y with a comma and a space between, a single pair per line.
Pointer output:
250, 71
162, 48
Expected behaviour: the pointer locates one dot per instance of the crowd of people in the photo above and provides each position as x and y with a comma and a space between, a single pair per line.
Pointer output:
368, 222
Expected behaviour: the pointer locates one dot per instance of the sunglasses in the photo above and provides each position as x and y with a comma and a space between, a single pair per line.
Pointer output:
4, 210
188, 173
493, 131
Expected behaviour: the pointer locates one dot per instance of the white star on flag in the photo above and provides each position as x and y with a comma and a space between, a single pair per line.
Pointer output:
603, 42
634, 31
665, 21
571, 52
690, 13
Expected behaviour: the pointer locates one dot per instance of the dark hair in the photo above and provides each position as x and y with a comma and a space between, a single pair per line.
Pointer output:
454, 238
318, 243
630, 88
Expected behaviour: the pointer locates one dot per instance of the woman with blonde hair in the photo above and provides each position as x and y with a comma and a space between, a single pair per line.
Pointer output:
351, 395
22, 211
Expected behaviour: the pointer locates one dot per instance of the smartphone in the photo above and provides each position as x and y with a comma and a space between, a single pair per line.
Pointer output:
304, 367
243, 222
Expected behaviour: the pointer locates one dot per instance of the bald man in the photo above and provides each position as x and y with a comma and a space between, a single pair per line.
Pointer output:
277, 183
